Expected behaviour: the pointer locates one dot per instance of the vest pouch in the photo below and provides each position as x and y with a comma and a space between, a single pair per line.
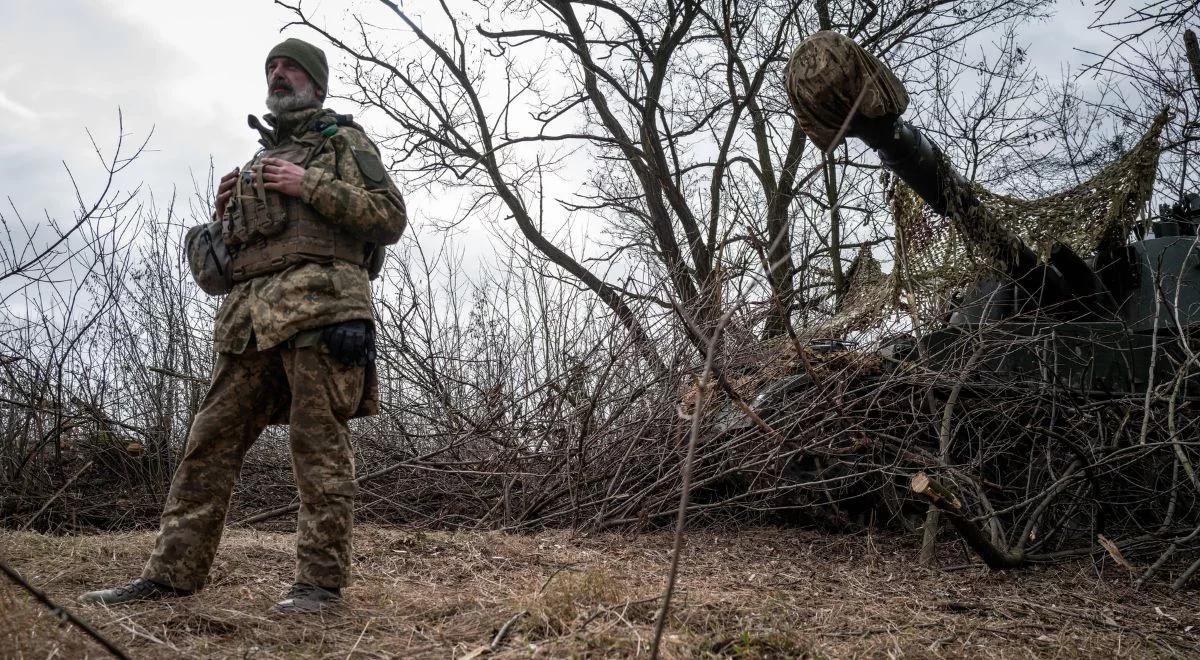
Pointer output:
242, 214
305, 240
262, 212
271, 208
273, 215
259, 262
233, 225
282, 231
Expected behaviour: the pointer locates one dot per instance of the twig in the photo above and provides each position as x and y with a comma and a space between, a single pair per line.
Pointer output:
360, 637
685, 489
55, 496
63, 614
1185, 576
503, 632
558, 570
930, 531
176, 374
948, 501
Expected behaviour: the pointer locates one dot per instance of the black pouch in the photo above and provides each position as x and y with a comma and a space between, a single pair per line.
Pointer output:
350, 342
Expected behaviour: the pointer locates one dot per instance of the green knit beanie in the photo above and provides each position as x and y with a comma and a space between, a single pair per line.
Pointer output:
309, 57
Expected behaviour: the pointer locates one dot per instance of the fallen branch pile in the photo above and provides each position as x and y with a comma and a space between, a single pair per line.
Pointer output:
1023, 471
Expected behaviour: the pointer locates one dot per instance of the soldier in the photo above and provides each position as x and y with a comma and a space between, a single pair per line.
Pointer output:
303, 221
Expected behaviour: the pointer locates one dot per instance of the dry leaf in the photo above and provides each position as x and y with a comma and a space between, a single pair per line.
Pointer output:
1114, 551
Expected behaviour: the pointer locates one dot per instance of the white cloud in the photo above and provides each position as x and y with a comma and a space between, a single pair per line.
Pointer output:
11, 106
189, 71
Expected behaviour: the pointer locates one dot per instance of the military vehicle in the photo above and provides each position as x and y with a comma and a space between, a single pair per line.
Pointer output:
1016, 402
1110, 322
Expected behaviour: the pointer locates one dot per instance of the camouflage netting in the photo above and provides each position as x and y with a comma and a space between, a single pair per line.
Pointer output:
871, 295
934, 260
1096, 214
831, 79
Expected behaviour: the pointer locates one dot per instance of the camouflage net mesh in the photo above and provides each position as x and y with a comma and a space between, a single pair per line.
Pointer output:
934, 260
871, 295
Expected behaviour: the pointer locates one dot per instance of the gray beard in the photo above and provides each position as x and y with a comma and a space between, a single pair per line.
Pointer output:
302, 97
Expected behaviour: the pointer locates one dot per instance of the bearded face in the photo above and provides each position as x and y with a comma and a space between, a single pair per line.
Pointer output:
289, 86
284, 96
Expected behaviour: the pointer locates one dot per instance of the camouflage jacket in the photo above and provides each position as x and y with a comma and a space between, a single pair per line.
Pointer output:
274, 307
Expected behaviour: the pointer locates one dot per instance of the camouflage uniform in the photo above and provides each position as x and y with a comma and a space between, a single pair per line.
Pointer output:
271, 368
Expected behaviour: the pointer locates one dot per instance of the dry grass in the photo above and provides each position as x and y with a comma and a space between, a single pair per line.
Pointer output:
761, 593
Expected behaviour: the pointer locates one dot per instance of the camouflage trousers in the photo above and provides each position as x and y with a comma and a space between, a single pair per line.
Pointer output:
316, 394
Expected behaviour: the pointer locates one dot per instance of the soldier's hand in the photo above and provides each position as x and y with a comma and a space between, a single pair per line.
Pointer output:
282, 176
224, 192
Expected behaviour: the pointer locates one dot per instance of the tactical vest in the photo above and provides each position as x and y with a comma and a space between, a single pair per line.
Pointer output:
266, 231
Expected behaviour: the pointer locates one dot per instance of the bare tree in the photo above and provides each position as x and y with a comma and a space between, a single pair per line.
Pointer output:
694, 156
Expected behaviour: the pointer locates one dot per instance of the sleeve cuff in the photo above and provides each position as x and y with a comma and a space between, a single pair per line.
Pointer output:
309, 184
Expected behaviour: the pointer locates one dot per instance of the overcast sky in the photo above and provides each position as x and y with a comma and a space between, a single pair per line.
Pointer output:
191, 71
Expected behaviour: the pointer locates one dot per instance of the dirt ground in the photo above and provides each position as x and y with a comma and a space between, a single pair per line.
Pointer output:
762, 593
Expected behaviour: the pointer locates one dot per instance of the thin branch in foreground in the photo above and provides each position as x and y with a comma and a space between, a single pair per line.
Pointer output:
685, 489
63, 614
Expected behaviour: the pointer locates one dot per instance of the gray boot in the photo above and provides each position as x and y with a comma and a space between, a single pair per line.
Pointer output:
306, 598
138, 589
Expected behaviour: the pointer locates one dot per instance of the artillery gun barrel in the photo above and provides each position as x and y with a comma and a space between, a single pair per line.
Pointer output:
919, 162
838, 89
